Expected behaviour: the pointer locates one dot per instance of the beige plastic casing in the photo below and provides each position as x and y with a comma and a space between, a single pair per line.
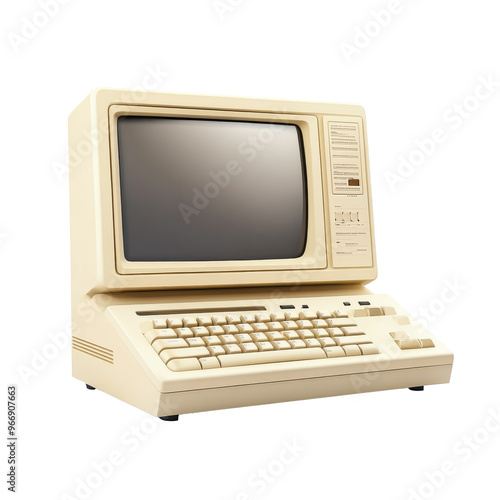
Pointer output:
109, 349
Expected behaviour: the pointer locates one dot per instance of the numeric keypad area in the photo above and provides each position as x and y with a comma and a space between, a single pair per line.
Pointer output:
186, 343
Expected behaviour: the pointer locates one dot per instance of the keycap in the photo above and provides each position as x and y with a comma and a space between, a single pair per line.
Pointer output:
271, 357
319, 323
352, 340
243, 337
265, 346
327, 342
400, 335
335, 332
174, 322
389, 310
297, 343
351, 330
358, 313
312, 342
352, 350
275, 325
164, 333
259, 336
228, 339
305, 334
291, 316
211, 362
307, 314
216, 350
369, 349
304, 323
245, 328
334, 352
195, 342
291, 334
426, 343
275, 336
230, 328
340, 313
290, 325
170, 344
281, 344
324, 314
247, 318
212, 340
182, 365
260, 327
232, 348
406, 343
338, 322
232, 319
184, 332
200, 331
249, 347
204, 320
374, 311
320, 332
189, 322
262, 317
187, 352
159, 323
277, 317
215, 330
218, 320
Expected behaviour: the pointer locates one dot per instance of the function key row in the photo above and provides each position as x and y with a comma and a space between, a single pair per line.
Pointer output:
230, 319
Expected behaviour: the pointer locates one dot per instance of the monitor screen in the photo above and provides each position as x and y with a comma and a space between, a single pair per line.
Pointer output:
211, 190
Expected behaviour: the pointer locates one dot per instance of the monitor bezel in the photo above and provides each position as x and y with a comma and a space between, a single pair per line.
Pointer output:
314, 256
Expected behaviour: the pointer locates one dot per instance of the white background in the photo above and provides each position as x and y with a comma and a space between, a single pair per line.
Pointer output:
437, 237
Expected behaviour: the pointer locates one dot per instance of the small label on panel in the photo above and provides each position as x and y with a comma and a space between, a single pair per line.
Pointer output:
345, 153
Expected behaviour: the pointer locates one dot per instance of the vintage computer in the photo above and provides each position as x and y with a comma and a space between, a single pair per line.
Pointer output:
220, 248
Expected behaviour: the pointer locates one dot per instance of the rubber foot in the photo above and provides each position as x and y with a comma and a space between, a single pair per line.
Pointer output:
170, 418
90, 388
418, 388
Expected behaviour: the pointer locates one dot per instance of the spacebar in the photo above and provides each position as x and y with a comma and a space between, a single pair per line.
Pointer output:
257, 358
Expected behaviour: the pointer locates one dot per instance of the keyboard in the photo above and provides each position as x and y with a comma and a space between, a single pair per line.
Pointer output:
217, 341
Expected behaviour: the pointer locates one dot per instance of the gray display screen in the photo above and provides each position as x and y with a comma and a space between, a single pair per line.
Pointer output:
211, 190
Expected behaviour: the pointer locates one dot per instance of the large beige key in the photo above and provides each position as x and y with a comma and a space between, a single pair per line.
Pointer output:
170, 344
327, 342
271, 357
275, 336
335, 352
182, 365
249, 347
291, 334
307, 314
215, 350
352, 330
320, 332
204, 320
292, 316
247, 318
188, 321
262, 317
265, 346
352, 350
275, 326
305, 334
228, 339
243, 337
230, 329
195, 342
281, 344
290, 325
212, 340
352, 340
277, 317
319, 323
312, 342
244, 328
164, 333
260, 327
403, 344
200, 331
258, 336
159, 323
211, 362
184, 332
215, 330
187, 352
369, 349
304, 323
338, 322
324, 314
218, 320
232, 348
232, 319
297, 343
174, 323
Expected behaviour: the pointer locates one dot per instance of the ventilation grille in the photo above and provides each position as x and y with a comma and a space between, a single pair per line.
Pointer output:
95, 350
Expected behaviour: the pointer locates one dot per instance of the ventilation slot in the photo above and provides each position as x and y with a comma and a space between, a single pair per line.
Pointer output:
93, 349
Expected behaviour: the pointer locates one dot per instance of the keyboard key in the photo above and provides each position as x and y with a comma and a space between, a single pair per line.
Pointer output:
212, 340
247, 318
307, 314
304, 323
232, 319
265, 346
324, 314
374, 311
200, 331
290, 325
297, 343
159, 323
426, 343
403, 344
292, 316
389, 310
249, 347
352, 350
215, 330
243, 337
281, 344
305, 334
312, 343
335, 332
174, 323
320, 332
369, 349
275, 336
211, 362
352, 340
245, 328
358, 313
277, 317
182, 365
195, 342
262, 318
216, 350
204, 320
338, 322
351, 330
228, 339
232, 348
230, 328
187, 352
260, 327
271, 357
400, 335
327, 342
184, 332
334, 352
259, 336
340, 313
164, 333
170, 344
275, 325
218, 320
189, 322
291, 334
319, 323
